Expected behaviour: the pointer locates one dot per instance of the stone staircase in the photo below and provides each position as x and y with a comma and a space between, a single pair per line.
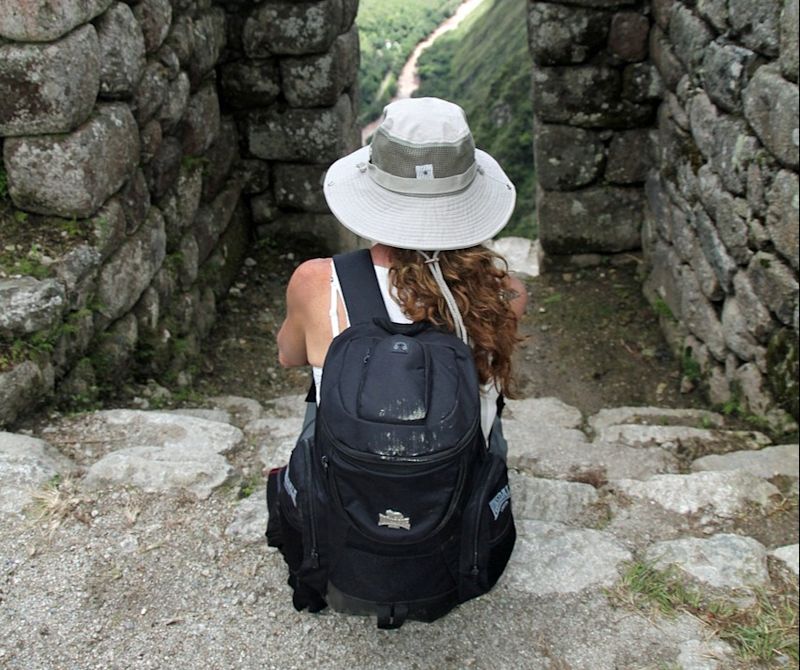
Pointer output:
134, 539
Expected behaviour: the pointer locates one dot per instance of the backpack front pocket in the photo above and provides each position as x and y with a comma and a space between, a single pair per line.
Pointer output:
396, 503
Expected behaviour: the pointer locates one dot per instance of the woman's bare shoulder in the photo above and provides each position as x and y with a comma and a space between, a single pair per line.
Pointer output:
310, 275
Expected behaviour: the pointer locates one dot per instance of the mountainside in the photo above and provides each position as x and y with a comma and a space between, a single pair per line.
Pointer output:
483, 66
388, 32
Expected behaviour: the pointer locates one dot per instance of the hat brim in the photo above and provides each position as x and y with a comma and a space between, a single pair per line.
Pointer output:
426, 222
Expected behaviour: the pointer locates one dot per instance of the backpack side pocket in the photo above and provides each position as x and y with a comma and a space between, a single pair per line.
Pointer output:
488, 532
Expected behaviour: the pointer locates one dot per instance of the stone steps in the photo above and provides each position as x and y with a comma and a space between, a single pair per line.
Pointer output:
591, 494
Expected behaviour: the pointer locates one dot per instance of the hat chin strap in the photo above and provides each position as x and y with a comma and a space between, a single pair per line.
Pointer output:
432, 261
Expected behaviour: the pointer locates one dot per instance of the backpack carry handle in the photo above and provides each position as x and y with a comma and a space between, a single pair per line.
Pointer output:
407, 329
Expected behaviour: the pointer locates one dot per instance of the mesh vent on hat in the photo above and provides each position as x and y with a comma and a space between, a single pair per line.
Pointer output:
401, 159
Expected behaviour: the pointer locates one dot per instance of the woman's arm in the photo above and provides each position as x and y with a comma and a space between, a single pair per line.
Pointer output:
306, 301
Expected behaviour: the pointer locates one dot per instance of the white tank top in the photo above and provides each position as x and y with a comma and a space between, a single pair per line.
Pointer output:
488, 391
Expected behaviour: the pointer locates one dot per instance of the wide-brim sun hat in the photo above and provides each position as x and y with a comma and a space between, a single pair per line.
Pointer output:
421, 183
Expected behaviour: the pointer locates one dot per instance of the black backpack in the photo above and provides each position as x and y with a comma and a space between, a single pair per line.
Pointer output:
391, 505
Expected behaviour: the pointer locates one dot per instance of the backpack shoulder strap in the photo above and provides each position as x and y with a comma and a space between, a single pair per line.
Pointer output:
360, 291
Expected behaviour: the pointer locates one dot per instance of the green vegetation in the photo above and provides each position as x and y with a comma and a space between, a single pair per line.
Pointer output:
388, 32
3, 184
662, 309
482, 66
764, 631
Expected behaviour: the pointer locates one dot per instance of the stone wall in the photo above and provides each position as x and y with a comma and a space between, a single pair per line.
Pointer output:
141, 141
595, 96
721, 236
672, 125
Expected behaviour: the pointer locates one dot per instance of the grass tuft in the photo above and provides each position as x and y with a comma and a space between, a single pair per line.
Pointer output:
765, 632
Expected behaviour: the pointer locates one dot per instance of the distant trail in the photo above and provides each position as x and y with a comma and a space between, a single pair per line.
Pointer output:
408, 81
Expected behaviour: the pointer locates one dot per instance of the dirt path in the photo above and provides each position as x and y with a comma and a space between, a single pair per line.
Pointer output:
408, 81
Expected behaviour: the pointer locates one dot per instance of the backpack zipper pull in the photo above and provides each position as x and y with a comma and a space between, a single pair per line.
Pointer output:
324, 461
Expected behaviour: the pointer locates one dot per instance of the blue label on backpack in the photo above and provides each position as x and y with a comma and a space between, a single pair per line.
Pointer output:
500, 501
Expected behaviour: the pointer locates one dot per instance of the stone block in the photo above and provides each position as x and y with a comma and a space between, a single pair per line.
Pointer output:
724, 140
220, 158
179, 206
765, 463
201, 123
734, 326
151, 91
175, 104
775, 285
629, 157
783, 221
591, 220
715, 12
729, 214
28, 305
757, 316
699, 315
562, 35
248, 84
318, 81
727, 69
713, 248
163, 170
209, 41
128, 272
664, 280
322, 227
545, 559
212, 219
681, 233
48, 88
772, 106
788, 555
566, 157
72, 175
757, 24
642, 82
254, 175
588, 96
26, 464
155, 18
718, 495
113, 352
23, 387
706, 275
263, 208
300, 187
789, 40
150, 138
317, 135
181, 38
665, 60
690, 35
662, 10
45, 21
122, 52
628, 36
295, 28
721, 561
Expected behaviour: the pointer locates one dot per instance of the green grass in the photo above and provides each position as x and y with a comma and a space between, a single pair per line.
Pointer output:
763, 632
388, 32
482, 67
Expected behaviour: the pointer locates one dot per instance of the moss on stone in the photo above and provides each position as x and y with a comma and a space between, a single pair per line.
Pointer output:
782, 370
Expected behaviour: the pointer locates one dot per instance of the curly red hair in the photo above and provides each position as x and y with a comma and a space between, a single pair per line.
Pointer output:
478, 279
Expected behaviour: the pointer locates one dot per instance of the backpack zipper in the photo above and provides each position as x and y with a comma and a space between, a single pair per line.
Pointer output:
427, 459
475, 548
314, 553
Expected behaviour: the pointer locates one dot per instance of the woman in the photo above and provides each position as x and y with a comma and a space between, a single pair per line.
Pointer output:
427, 199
